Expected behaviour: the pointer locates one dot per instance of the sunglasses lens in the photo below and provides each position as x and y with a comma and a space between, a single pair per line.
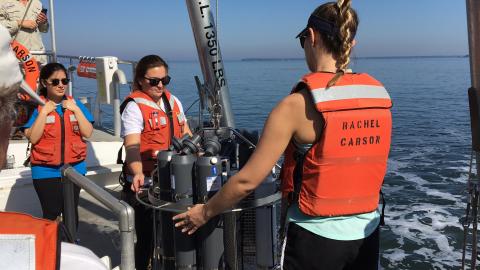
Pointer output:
55, 82
153, 82
303, 36
302, 40
166, 80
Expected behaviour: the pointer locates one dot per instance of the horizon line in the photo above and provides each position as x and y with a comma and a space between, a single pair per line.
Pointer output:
360, 57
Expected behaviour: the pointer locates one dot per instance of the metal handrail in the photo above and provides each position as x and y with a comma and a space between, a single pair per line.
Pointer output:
78, 57
124, 212
47, 53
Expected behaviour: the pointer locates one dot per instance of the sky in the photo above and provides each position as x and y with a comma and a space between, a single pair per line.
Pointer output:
253, 28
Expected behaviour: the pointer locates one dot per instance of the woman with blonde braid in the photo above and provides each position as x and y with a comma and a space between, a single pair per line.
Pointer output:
334, 130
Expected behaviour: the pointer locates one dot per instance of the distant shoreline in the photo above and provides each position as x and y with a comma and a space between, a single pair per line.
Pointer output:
361, 57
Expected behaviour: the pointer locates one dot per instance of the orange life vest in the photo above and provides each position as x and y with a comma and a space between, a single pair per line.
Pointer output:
156, 134
30, 66
343, 172
61, 142
45, 233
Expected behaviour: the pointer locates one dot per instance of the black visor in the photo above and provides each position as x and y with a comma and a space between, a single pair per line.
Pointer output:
321, 25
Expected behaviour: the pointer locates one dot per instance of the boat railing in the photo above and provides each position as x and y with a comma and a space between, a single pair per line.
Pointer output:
123, 211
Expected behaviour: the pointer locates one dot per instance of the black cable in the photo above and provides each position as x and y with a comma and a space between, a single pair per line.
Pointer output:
155, 258
191, 105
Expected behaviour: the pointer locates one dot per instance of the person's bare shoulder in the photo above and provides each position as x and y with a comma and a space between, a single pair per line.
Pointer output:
288, 111
293, 102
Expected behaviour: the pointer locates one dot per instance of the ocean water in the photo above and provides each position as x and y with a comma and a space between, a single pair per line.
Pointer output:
430, 152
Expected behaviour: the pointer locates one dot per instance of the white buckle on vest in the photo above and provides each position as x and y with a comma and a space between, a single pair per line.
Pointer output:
17, 251
50, 119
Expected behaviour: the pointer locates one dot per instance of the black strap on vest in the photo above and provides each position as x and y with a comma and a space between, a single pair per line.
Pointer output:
119, 155
384, 203
125, 103
299, 157
121, 178
168, 111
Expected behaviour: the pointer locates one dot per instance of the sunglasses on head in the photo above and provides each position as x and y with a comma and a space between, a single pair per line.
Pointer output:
56, 82
155, 81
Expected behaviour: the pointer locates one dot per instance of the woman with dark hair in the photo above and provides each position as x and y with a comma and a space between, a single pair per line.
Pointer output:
151, 116
334, 130
56, 131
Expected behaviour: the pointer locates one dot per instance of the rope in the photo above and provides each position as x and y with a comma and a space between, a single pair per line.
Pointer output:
216, 107
191, 105
466, 221
474, 228
156, 251
21, 22
218, 31
472, 206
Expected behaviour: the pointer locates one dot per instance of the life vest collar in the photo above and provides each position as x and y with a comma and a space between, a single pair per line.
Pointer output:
349, 92
352, 91
148, 101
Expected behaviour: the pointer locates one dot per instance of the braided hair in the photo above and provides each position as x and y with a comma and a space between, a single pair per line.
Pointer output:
340, 45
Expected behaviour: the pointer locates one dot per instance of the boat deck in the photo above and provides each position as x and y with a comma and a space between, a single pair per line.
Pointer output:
98, 227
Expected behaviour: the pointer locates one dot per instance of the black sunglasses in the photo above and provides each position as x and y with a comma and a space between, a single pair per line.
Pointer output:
56, 82
302, 39
154, 81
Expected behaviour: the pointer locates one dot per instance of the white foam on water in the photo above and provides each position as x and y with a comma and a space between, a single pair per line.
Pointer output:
435, 245
457, 200
394, 255
463, 178
420, 223
432, 256
391, 189
394, 164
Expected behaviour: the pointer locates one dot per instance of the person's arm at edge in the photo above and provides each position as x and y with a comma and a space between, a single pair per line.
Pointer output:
279, 129
186, 129
131, 129
133, 160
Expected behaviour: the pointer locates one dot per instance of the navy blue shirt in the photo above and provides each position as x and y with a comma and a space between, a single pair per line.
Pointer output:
44, 171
